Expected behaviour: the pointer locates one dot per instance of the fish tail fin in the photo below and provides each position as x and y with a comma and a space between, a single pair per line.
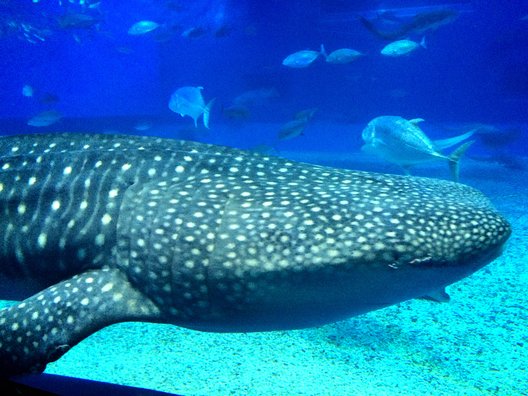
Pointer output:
207, 111
445, 143
423, 44
323, 51
454, 159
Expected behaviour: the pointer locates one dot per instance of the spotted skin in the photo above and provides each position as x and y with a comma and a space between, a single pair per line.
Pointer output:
99, 229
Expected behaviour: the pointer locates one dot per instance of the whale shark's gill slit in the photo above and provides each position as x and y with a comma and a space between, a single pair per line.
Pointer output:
73, 191
92, 198
41, 197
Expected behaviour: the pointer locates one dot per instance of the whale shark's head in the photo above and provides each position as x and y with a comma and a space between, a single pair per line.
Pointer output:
325, 244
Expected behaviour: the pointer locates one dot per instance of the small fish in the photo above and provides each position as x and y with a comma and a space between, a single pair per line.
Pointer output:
297, 126
223, 31
194, 32
45, 118
256, 97
142, 27
302, 59
236, 112
48, 98
292, 129
77, 20
306, 114
27, 32
125, 50
143, 126
402, 142
27, 91
402, 47
342, 56
94, 6
188, 101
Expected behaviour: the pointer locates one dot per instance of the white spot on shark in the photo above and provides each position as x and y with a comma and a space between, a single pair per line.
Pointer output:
21, 209
106, 219
41, 240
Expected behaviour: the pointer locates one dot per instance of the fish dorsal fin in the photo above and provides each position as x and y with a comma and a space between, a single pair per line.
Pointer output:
207, 111
323, 51
416, 121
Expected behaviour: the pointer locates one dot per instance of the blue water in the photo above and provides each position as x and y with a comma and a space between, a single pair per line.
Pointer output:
75, 58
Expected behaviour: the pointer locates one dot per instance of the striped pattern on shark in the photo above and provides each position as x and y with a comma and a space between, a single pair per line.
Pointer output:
99, 229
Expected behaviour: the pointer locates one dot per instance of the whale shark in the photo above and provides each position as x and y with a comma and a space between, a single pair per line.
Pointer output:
100, 229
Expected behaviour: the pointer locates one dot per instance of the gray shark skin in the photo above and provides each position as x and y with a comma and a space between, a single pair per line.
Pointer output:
420, 23
99, 229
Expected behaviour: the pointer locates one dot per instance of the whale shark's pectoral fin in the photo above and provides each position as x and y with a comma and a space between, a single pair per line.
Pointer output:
43, 327
437, 296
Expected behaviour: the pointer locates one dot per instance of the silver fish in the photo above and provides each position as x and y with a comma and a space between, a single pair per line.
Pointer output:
256, 96
402, 142
27, 91
297, 126
142, 27
292, 129
45, 118
402, 47
302, 59
342, 56
188, 101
